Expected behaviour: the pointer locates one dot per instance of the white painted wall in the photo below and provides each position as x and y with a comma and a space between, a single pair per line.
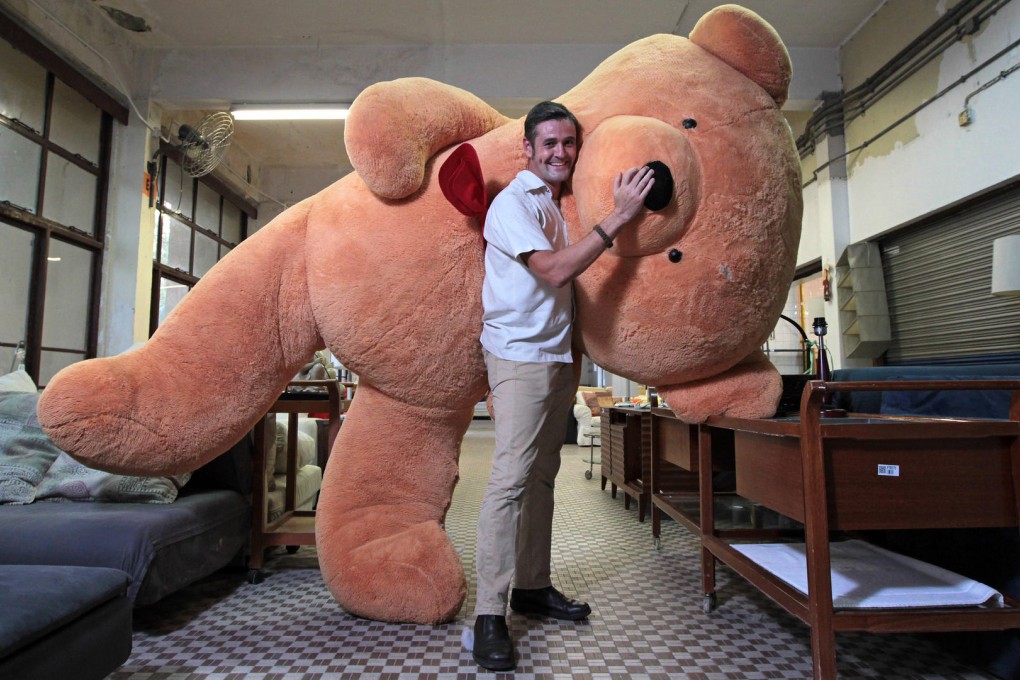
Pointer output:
943, 163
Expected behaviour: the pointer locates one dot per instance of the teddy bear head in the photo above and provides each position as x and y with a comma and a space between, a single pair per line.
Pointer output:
696, 284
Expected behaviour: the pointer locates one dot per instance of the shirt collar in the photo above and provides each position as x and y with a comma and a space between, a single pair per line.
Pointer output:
532, 182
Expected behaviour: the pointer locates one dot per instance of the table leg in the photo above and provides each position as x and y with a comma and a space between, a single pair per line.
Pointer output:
707, 511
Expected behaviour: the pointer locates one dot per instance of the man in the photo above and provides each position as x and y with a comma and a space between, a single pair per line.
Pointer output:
528, 310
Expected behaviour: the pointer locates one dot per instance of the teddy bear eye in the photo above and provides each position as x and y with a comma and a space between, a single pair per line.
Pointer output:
690, 123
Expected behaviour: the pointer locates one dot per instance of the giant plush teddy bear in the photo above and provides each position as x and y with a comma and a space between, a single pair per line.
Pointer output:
383, 270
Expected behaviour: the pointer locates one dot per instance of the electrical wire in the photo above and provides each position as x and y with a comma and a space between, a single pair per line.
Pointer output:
920, 107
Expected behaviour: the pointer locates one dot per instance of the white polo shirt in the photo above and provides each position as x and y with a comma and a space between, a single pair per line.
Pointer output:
525, 318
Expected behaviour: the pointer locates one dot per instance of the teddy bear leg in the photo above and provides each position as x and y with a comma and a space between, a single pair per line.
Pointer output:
751, 389
383, 550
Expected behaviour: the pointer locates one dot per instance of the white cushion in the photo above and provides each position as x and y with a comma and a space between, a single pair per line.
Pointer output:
18, 381
306, 443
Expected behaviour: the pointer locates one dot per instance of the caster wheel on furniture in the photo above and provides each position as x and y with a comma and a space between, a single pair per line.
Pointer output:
291, 549
708, 606
587, 474
254, 576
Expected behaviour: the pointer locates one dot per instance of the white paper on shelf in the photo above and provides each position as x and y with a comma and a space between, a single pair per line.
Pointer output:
867, 576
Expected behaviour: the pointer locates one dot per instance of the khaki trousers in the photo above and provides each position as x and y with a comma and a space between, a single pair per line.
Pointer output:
530, 403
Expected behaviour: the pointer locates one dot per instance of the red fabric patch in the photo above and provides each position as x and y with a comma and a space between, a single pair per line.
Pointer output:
461, 181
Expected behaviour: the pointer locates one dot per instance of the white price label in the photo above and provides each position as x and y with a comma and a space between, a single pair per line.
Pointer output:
888, 470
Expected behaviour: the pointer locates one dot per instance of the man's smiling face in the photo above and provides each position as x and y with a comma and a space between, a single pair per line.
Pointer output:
553, 152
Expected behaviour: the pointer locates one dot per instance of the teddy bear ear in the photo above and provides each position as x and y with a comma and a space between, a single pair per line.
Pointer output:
749, 44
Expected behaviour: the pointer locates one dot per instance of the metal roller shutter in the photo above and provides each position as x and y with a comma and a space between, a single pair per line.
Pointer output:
938, 280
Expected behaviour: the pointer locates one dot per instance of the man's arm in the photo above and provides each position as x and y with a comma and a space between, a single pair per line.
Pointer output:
560, 267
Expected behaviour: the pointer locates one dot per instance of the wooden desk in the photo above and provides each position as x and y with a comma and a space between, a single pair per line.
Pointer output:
823, 472
293, 527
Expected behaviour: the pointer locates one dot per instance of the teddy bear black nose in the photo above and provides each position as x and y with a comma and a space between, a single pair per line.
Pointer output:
662, 190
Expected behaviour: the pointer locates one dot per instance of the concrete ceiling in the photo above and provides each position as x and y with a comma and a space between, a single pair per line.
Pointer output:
188, 25
264, 23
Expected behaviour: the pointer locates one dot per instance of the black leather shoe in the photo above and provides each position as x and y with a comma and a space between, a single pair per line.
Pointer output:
548, 602
493, 648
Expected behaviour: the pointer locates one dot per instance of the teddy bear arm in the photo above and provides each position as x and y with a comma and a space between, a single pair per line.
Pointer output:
751, 389
395, 127
210, 371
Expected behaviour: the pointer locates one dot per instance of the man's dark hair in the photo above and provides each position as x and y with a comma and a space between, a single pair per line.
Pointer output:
544, 111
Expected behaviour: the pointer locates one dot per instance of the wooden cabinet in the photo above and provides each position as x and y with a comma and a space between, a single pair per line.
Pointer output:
626, 444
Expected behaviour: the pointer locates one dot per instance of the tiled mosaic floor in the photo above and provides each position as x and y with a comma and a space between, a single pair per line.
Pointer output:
647, 619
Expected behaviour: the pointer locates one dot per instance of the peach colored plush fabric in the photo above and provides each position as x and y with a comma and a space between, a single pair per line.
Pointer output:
381, 269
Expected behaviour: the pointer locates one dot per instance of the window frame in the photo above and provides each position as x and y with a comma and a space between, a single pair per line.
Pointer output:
30, 218
161, 270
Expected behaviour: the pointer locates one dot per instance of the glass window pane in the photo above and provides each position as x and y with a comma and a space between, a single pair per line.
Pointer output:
68, 279
177, 189
155, 235
22, 87
15, 283
205, 254
231, 223
20, 159
207, 209
170, 293
70, 197
176, 247
54, 361
76, 123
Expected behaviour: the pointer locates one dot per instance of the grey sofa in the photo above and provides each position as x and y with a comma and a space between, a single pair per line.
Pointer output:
991, 556
72, 569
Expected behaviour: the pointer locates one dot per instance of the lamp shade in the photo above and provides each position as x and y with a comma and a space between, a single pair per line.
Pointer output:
1006, 265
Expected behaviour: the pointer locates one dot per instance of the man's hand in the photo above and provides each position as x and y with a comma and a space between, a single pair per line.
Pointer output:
629, 191
562, 266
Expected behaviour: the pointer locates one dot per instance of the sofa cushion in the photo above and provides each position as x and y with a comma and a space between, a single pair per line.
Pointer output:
63, 622
591, 400
161, 547
39, 599
871, 402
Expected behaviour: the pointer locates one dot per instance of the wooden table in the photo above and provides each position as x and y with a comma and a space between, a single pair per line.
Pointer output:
293, 527
825, 473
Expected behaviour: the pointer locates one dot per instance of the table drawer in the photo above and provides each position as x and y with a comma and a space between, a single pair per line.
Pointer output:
886, 484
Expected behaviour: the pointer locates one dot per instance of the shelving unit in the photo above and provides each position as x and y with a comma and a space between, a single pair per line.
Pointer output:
863, 306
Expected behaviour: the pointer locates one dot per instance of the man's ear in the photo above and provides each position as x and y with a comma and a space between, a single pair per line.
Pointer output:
527, 147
